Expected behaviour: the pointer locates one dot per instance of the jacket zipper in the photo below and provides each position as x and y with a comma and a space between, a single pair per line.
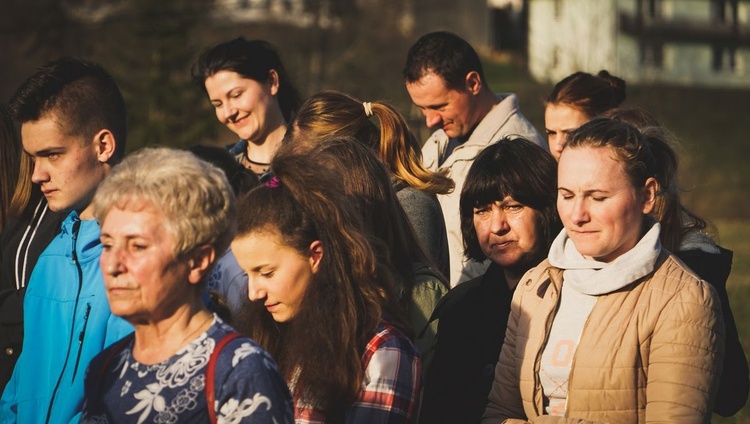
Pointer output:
547, 328
74, 258
81, 336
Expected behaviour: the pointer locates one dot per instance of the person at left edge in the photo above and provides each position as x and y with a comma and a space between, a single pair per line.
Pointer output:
73, 125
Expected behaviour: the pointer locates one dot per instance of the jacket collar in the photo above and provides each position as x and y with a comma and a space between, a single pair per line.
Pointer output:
506, 105
86, 234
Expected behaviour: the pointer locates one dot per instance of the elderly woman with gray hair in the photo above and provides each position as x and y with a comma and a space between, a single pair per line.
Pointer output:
166, 216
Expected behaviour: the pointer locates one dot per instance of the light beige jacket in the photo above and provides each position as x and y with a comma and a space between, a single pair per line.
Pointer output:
504, 120
650, 352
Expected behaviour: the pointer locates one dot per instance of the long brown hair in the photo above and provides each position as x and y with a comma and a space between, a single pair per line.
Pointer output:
367, 185
320, 349
331, 113
15, 170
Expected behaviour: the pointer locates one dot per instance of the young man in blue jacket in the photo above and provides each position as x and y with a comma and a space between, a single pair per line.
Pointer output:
73, 125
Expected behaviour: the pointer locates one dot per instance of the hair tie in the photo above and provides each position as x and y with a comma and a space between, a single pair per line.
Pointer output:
270, 179
273, 182
368, 108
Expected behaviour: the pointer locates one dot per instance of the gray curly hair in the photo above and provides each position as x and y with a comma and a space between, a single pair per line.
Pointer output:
194, 196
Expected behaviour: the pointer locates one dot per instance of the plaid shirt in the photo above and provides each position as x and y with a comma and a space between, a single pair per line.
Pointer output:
391, 385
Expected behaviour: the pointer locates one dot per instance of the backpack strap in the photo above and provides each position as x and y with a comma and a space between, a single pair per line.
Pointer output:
211, 371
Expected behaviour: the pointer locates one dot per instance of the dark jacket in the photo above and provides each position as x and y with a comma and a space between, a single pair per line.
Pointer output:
734, 384
471, 329
21, 243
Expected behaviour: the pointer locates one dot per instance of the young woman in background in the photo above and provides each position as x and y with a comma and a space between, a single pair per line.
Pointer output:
252, 95
575, 100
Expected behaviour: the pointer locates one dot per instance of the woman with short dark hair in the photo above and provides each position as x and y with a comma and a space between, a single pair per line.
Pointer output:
508, 216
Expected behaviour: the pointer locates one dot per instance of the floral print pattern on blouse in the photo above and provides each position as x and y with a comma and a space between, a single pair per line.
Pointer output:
248, 386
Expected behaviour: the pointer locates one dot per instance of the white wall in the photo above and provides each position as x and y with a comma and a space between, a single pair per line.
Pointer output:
566, 36
571, 36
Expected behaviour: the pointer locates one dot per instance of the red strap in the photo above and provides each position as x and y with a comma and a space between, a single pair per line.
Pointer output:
211, 371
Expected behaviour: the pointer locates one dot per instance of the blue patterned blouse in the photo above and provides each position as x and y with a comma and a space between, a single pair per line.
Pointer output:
248, 386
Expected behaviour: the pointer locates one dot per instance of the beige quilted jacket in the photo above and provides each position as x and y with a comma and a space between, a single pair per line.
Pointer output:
650, 352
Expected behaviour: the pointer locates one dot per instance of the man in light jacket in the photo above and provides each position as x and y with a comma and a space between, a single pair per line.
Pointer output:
445, 79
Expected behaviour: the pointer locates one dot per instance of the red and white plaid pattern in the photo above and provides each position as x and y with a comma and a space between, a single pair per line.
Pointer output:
391, 385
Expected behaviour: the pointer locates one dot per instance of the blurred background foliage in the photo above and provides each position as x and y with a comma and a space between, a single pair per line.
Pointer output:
150, 46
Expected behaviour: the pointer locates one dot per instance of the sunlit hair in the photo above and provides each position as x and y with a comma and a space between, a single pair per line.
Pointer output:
79, 95
590, 94
369, 188
635, 116
14, 191
630, 147
445, 54
252, 59
676, 220
193, 196
511, 167
334, 114
24, 187
320, 348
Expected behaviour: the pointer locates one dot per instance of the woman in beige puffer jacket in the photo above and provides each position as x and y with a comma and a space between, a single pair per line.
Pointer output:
611, 328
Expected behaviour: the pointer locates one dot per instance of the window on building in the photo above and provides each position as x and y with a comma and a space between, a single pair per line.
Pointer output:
724, 59
652, 53
725, 11
653, 8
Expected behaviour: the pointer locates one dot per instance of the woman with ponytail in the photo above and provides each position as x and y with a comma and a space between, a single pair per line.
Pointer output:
321, 303
684, 234
612, 327
331, 113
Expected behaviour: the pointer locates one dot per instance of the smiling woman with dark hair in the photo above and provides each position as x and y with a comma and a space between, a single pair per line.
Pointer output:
252, 95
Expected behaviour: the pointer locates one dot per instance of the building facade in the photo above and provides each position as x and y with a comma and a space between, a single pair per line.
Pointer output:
684, 42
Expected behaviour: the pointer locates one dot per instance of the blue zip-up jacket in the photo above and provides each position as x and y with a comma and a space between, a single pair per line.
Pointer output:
67, 322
